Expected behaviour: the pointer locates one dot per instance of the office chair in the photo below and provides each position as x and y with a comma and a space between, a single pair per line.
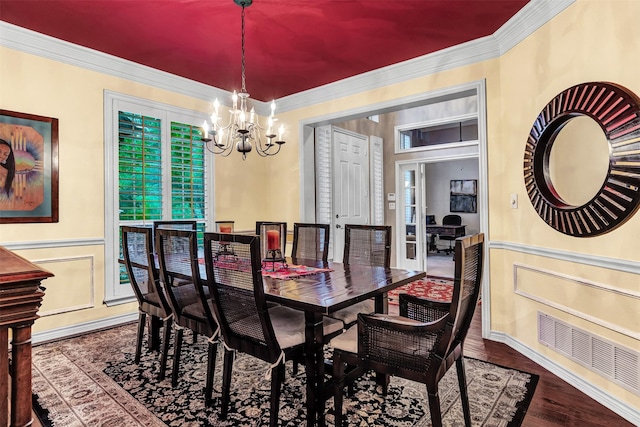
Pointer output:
450, 220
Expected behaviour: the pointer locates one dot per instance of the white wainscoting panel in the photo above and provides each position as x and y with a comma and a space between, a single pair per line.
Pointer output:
73, 286
573, 281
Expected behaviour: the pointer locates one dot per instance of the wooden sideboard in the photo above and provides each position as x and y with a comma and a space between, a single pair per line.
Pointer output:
20, 298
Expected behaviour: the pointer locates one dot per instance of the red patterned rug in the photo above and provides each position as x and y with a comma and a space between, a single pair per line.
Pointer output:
430, 287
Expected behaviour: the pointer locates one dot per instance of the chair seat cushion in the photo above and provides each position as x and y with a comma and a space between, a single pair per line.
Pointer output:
349, 340
288, 325
195, 310
349, 315
331, 325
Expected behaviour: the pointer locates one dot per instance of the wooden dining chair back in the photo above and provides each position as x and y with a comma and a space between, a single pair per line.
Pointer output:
179, 267
178, 224
364, 245
367, 245
420, 344
137, 253
310, 241
248, 324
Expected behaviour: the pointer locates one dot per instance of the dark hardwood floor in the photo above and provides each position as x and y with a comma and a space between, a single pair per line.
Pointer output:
555, 402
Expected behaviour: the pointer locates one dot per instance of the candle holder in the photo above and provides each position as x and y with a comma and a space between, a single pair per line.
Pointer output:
273, 238
226, 248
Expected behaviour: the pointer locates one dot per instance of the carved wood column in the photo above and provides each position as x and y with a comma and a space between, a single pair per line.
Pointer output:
20, 298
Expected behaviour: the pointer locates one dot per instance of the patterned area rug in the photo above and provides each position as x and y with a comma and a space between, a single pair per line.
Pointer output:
92, 381
433, 288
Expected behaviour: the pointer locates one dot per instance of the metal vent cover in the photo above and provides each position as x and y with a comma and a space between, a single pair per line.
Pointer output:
611, 360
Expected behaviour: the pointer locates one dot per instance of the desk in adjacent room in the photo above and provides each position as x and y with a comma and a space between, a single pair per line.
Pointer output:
454, 231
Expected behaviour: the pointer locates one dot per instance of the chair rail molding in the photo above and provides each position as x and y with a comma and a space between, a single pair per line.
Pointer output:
47, 244
627, 266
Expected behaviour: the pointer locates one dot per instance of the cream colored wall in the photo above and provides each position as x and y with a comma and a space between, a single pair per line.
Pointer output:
74, 96
589, 41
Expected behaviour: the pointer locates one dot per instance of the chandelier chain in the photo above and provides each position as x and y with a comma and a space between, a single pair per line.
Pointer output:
244, 89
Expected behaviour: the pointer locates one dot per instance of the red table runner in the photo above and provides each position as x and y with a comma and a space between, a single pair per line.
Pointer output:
277, 270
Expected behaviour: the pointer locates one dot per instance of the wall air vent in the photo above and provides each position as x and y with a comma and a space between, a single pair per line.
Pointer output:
611, 360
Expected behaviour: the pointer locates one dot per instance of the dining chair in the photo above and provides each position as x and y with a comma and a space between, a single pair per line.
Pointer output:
191, 304
364, 245
137, 251
310, 241
420, 344
247, 322
178, 224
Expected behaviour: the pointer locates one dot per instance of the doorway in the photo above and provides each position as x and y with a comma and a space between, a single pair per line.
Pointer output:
425, 198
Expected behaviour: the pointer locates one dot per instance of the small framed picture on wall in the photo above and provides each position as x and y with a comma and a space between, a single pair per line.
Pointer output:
463, 195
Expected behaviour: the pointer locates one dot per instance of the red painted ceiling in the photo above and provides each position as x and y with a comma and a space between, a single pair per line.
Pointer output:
291, 45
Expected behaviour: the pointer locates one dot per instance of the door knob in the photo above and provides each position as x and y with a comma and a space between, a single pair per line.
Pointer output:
338, 226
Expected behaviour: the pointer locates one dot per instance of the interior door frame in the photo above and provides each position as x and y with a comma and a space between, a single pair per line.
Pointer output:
306, 129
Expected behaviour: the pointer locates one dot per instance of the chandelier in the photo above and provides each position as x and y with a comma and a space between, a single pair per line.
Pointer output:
243, 129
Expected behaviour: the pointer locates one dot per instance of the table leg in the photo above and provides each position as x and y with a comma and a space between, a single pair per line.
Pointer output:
382, 306
382, 303
314, 341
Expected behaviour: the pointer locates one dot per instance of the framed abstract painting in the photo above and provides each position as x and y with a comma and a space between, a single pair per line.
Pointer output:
28, 168
463, 195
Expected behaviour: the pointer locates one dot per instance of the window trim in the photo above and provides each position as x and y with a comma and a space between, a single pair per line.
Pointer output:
113, 102
437, 122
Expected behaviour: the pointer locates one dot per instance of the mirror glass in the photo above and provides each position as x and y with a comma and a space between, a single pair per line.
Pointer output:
579, 161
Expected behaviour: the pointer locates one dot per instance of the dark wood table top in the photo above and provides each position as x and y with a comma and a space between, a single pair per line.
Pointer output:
328, 291
346, 285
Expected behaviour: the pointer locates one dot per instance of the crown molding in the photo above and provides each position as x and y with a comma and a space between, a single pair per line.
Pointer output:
531, 17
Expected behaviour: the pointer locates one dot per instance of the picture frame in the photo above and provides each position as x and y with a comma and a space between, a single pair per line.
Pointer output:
463, 195
28, 168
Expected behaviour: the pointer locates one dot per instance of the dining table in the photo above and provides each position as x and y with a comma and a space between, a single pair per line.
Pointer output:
319, 288
333, 287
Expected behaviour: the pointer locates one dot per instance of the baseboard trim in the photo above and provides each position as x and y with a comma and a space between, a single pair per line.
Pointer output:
82, 328
621, 408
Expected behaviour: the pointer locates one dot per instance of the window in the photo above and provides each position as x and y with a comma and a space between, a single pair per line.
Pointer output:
160, 169
449, 122
458, 131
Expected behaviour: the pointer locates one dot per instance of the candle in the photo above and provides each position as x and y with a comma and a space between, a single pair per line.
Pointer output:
225, 229
273, 240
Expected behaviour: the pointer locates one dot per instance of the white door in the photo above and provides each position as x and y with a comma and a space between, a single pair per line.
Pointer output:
350, 185
409, 217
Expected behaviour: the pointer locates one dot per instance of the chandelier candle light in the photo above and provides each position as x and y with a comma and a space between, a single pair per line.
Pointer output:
243, 129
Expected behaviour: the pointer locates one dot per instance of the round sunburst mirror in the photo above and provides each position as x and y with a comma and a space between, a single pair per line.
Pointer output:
582, 159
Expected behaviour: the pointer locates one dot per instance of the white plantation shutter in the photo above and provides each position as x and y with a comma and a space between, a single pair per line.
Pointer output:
324, 180
139, 167
376, 169
187, 172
